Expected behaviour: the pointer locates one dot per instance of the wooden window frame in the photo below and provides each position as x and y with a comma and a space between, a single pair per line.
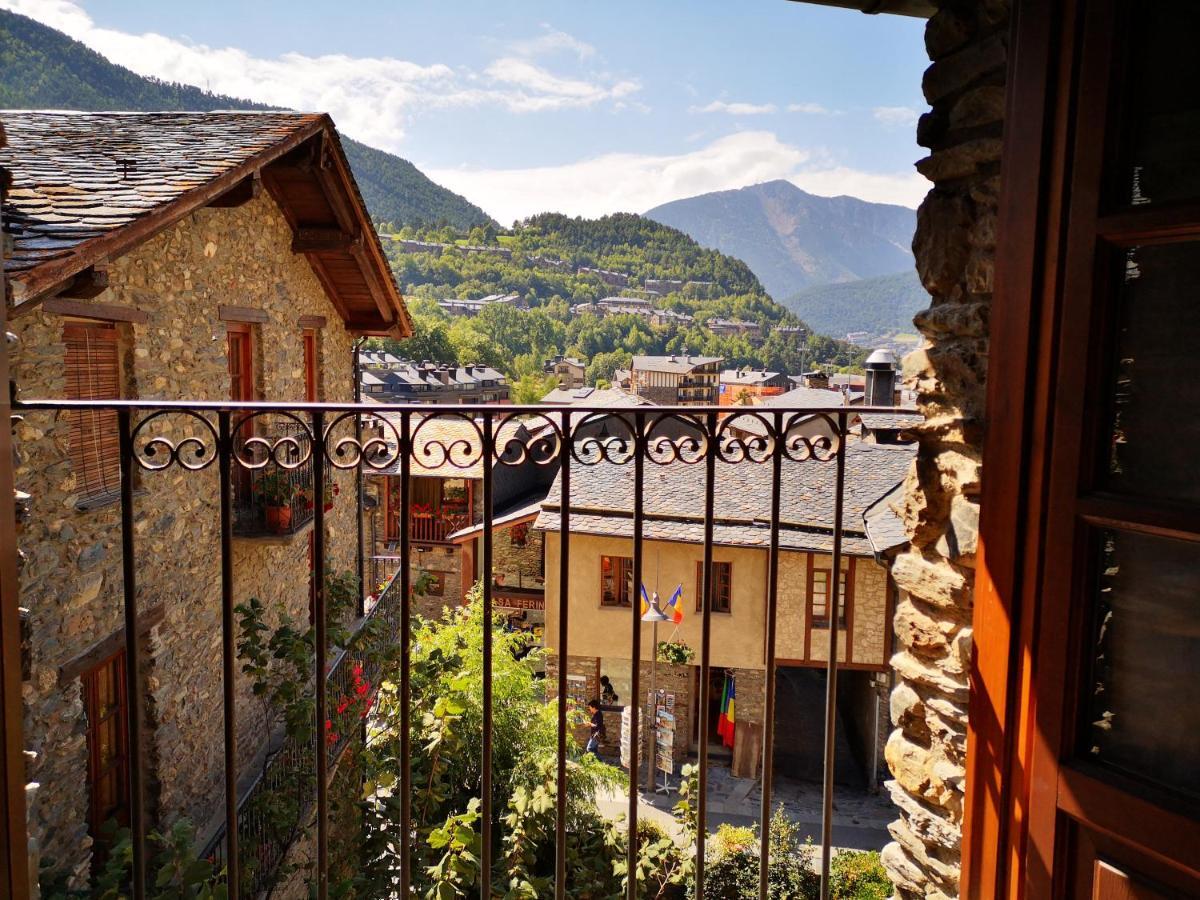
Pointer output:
621, 565
243, 335
722, 573
118, 766
825, 574
94, 442
312, 365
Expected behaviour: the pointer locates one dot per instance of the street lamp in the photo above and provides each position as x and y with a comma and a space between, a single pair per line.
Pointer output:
654, 615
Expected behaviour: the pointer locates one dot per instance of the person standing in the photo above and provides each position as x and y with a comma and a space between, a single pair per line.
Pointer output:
597, 728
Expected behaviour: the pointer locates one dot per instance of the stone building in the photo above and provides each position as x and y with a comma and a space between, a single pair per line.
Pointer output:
568, 370
446, 513
603, 592
676, 380
749, 386
174, 271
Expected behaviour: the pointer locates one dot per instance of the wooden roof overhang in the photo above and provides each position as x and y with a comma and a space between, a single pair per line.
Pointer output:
920, 8
308, 176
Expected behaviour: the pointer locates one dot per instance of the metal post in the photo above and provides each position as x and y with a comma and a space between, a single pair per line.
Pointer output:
358, 478
834, 602
768, 760
639, 464
133, 688
319, 617
564, 578
228, 654
653, 729
405, 656
710, 474
485, 864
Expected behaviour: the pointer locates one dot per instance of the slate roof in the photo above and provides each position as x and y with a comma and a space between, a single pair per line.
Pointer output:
896, 421
746, 376
81, 181
602, 500
805, 398
678, 364
590, 396
885, 529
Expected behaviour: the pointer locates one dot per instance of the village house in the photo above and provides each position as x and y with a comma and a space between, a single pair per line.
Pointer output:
446, 513
602, 595
429, 382
676, 380
747, 385
568, 370
213, 256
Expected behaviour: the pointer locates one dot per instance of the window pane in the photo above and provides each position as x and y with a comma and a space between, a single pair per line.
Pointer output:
1142, 706
1162, 104
1155, 392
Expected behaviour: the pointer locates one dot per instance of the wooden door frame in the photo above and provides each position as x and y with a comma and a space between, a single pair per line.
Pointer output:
1013, 834
1021, 364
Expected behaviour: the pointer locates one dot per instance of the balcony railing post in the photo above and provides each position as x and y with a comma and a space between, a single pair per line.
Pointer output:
485, 865
710, 474
405, 448
319, 617
564, 578
133, 679
228, 671
833, 602
639, 475
768, 761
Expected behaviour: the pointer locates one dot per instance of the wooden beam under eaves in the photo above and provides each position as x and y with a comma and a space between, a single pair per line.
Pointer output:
323, 240
241, 193
87, 285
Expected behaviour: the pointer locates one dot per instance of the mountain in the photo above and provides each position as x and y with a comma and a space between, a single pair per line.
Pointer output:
792, 239
879, 306
41, 68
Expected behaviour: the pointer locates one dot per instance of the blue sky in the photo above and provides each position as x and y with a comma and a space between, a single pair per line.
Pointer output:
580, 107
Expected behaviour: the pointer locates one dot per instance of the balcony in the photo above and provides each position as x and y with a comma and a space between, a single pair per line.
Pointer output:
249, 851
273, 496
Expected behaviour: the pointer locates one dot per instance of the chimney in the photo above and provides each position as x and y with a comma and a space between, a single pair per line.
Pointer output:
881, 379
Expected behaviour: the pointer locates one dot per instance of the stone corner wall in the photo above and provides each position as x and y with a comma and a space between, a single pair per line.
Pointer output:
954, 248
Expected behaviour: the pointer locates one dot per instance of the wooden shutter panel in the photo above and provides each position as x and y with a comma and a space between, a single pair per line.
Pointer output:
93, 373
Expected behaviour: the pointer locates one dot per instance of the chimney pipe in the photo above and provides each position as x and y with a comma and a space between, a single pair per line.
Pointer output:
880, 385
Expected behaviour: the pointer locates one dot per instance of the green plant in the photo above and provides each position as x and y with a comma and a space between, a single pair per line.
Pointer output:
858, 874
276, 489
174, 873
675, 652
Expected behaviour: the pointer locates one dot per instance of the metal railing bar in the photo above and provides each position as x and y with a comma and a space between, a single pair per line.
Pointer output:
405, 660
485, 865
133, 693
319, 615
710, 477
834, 601
228, 670
432, 409
564, 578
635, 708
764, 848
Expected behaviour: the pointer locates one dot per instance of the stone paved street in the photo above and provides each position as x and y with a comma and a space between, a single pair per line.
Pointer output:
860, 818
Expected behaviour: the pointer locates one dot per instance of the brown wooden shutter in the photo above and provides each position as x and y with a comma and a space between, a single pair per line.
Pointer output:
93, 373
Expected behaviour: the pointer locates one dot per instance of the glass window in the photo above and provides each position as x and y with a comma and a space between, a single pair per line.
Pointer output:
1156, 375
616, 581
1142, 709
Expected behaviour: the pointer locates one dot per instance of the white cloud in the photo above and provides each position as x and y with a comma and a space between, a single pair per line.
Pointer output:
896, 116
550, 41
633, 182
735, 109
812, 109
371, 98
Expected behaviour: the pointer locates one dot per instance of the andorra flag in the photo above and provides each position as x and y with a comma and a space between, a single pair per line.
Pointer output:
645, 601
725, 724
674, 608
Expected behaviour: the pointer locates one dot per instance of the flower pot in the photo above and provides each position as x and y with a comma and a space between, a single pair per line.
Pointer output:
279, 518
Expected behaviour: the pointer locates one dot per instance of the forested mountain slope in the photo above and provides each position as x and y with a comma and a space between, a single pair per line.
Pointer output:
878, 306
41, 68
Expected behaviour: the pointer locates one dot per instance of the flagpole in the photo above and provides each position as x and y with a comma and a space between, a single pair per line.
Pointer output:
653, 729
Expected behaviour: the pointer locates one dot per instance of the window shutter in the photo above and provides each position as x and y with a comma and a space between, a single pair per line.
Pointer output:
93, 373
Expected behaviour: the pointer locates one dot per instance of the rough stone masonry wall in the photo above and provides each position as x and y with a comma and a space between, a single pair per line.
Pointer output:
954, 249
72, 583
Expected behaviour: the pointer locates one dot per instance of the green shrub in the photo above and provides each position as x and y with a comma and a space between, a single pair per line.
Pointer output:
858, 875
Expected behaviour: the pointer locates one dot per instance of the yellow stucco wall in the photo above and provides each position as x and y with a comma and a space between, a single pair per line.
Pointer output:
738, 638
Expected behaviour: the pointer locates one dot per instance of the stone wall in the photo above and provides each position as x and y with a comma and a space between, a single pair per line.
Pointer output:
72, 583
517, 564
444, 562
954, 247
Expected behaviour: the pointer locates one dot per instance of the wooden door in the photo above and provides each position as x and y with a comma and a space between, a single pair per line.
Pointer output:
1114, 711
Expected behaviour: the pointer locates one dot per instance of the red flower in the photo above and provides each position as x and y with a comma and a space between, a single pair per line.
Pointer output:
343, 705
329, 724
357, 671
362, 688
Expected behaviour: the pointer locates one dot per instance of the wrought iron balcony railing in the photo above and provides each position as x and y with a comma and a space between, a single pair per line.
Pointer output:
569, 439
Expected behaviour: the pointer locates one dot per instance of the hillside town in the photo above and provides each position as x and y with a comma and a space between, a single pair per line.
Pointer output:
364, 547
